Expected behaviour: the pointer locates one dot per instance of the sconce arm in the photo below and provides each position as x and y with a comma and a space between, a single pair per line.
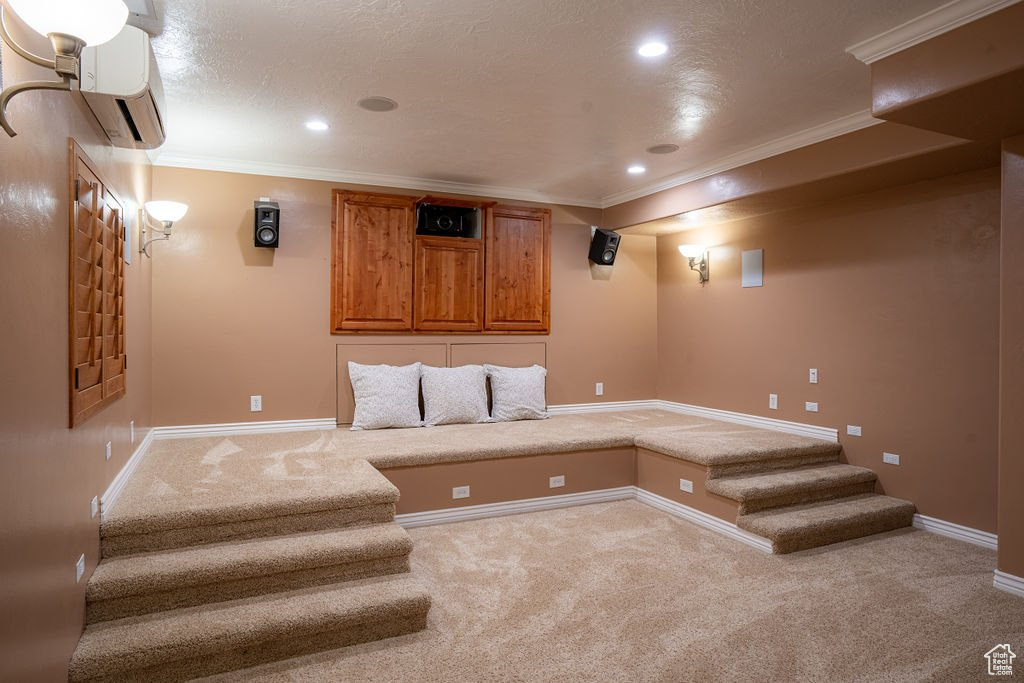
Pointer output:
10, 92
25, 54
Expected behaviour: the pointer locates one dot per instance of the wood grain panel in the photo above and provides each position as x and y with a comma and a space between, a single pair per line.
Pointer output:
449, 284
518, 269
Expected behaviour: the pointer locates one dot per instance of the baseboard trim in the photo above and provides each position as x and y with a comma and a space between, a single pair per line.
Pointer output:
1009, 583
703, 519
110, 496
234, 428
513, 507
957, 531
798, 428
606, 407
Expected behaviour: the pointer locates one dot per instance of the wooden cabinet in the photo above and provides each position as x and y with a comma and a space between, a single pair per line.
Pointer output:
371, 262
518, 267
449, 284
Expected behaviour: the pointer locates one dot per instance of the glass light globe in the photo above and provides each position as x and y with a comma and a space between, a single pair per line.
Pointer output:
93, 21
166, 212
692, 250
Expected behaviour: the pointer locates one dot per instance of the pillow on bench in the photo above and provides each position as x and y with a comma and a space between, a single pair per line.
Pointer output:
517, 393
386, 395
454, 395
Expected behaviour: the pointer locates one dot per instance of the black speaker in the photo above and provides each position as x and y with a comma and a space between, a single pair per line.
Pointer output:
267, 232
604, 246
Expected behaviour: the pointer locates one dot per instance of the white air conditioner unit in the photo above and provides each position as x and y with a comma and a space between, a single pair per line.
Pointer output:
121, 84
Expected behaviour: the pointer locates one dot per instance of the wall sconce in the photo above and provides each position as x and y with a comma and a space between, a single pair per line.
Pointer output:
70, 25
167, 213
692, 252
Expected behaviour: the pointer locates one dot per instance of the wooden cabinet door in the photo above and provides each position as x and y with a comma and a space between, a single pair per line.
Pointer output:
518, 269
449, 284
371, 262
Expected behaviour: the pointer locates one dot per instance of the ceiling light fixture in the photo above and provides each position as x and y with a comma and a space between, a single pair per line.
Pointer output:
663, 149
378, 104
652, 48
316, 125
70, 25
636, 169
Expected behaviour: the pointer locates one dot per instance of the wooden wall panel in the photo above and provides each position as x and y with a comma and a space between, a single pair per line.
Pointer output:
449, 284
518, 269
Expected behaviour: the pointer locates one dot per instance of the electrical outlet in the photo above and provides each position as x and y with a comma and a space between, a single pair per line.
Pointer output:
599, 389
686, 485
853, 430
255, 404
94, 506
109, 450
811, 406
773, 401
556, 482
891, 458
79, 568
460, 492
131, 430
812, 376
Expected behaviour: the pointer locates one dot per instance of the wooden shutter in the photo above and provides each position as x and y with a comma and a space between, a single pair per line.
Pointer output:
95, 292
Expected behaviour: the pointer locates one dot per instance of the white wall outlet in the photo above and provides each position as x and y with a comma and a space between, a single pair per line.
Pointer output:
79, 568
460, 492
686, 485
599, 389
556, 482
811, 406
94, 506
853, 430
773, 401
891, 458
255, 404
109, 450
812, 376
131, 430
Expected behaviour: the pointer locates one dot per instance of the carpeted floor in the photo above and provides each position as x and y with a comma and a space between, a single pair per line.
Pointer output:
623, 592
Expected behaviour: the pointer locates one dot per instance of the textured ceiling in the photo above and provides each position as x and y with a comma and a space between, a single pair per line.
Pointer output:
547, 96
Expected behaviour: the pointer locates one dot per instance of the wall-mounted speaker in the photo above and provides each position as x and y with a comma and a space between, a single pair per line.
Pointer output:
267, 232
603, 247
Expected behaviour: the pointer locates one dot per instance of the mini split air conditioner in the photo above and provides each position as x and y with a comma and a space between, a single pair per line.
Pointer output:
121, 84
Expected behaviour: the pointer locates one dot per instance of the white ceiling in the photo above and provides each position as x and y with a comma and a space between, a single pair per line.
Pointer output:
543, 96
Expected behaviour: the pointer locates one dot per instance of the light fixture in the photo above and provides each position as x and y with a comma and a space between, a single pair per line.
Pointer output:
378, 104
70, 25
692, 252
653, 48
166, 213
636, 169
317, 125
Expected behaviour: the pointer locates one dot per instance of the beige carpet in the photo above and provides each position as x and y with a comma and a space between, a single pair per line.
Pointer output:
622, 592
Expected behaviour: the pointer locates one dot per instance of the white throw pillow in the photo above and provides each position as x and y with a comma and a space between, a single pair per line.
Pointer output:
386, 395
454, 395
517, 393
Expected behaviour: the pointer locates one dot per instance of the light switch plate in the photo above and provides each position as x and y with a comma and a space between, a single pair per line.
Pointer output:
812, 376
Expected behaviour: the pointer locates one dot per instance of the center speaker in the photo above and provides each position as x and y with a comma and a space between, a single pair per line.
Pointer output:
267, 232
603, 247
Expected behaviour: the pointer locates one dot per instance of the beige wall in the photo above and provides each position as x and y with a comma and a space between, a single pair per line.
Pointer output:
893, 296
50, 473
231, 320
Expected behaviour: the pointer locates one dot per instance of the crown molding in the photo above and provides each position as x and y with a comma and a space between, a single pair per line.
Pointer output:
934, 23
205, 163
787, 143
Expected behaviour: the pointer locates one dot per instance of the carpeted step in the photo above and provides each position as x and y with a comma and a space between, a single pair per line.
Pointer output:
200, 641
766, 490
815, 524
131, 585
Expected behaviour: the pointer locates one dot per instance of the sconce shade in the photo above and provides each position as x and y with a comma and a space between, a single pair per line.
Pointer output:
692, 250
93, 21
166, 212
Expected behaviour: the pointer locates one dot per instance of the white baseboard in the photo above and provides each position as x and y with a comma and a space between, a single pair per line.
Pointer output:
957, 531
1009, 583
109, 496
235, 428
798, 428
703, 519
513, 507
605, 407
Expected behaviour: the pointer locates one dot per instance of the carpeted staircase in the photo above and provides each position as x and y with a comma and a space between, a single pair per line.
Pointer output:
222, 587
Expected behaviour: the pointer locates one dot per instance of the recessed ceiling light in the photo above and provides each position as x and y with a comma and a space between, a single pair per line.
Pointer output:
317, 125
377, 104
663, 149
636, 169
653, 48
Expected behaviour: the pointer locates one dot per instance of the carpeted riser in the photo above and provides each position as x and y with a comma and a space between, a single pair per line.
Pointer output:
826, 536
750, 467
125, 544
760, 504
413, 619
187, 596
